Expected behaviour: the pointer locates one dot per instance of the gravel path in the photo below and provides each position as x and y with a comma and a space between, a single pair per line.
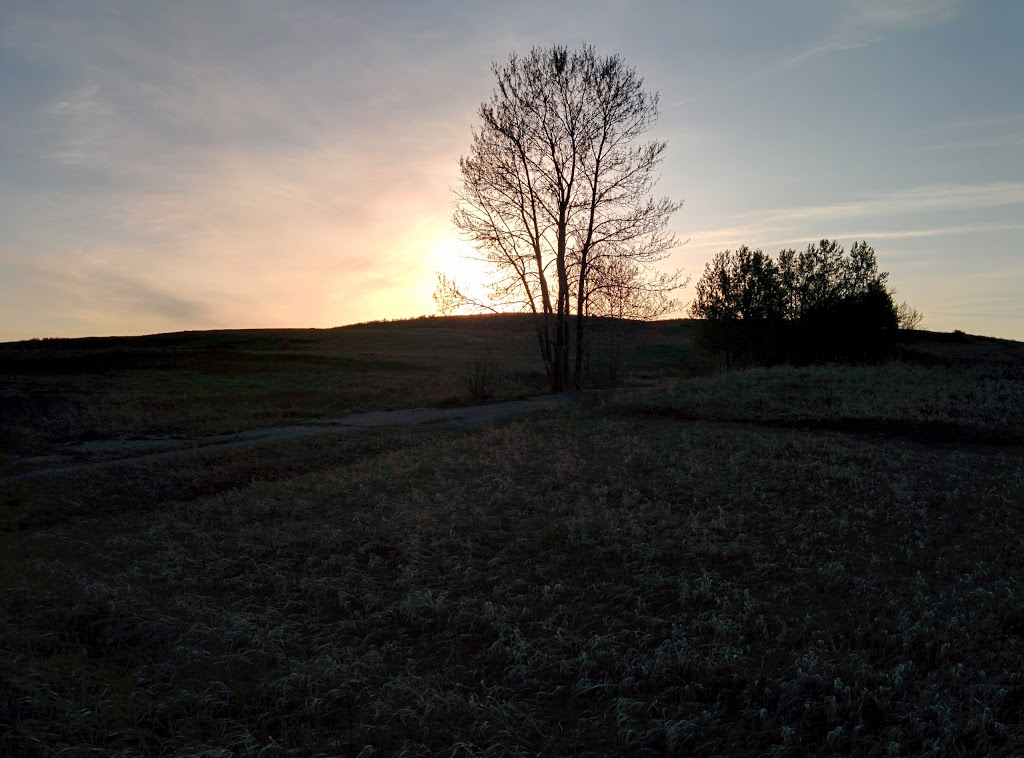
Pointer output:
114, 451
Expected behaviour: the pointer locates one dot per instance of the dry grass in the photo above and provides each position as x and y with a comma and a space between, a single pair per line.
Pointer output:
567, 584
963, 402
635, 578
194, 384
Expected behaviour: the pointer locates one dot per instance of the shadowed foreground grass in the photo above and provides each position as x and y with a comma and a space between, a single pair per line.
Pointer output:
593, 581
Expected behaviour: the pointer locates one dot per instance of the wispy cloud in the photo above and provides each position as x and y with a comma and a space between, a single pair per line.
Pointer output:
862, 23
989, 122
908, 210
90, 291
978, 133
137, 296
720, 239
899, 14
980, 143
926, 199
848, 26
933, 231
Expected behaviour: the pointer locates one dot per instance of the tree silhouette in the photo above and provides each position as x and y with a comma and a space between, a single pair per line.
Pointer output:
815, 305
556, 191
742, 300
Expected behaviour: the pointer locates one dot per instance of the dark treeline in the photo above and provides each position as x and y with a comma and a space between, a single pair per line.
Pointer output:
821, 304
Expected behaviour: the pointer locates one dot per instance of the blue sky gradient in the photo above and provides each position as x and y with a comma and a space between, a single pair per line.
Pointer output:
195, 165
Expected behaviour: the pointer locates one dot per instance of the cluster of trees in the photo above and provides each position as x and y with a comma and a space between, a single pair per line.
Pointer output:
820, 304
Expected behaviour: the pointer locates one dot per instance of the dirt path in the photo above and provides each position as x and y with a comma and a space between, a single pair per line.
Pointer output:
70, 457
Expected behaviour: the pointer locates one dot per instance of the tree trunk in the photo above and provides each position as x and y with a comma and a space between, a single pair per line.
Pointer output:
562, 319
577, 378
544, 343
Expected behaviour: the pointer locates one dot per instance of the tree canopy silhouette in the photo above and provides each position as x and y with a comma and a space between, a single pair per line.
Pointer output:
556, 196
815, 305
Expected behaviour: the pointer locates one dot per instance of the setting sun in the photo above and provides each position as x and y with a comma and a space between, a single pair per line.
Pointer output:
458, 260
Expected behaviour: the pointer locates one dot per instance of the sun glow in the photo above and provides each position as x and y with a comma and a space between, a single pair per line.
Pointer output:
458, 260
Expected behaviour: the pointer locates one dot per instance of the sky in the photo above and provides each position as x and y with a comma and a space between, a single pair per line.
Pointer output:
255, 163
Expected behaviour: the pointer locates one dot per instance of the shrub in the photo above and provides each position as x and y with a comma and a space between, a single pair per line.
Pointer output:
482, 379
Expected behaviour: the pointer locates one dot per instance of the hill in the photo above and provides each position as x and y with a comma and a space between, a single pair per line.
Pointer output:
191, 383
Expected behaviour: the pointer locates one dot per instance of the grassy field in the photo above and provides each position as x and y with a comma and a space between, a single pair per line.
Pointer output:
786, 561
217, 382
201, 383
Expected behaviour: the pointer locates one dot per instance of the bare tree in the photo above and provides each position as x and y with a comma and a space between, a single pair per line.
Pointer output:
557, 189
622, 293
621, 289
908, 316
